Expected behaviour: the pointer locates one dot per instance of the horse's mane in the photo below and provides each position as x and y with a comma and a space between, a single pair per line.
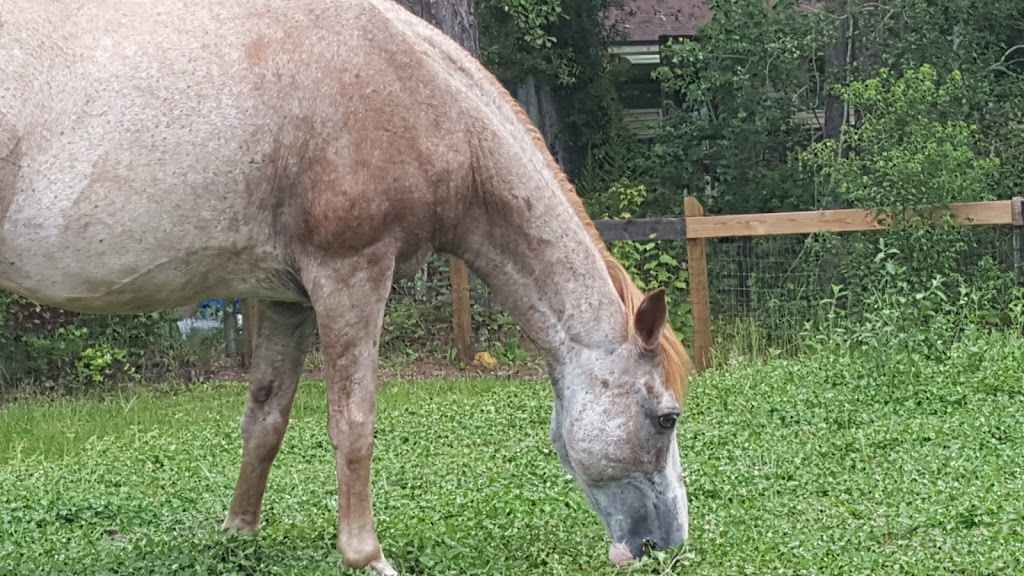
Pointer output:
676, 361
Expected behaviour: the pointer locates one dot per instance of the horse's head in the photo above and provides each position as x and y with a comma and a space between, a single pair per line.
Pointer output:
614, 429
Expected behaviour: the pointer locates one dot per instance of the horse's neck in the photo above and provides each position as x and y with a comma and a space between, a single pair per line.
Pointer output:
529, 246
520, 233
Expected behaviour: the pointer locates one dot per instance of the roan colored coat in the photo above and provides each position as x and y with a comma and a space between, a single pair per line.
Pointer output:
305, 153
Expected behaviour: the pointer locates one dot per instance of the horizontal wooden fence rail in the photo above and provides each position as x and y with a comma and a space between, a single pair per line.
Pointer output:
849, 220
777, 223
642, 229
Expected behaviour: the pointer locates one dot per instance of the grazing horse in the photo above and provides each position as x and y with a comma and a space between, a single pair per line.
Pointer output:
305, 153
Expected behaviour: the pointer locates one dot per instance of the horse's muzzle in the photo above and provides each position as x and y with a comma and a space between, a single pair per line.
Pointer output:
640, 513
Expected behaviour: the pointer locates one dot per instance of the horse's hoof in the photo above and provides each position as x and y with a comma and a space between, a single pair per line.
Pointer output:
233, 525
382, 567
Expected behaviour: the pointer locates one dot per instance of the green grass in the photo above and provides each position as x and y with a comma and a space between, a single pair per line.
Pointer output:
846, 464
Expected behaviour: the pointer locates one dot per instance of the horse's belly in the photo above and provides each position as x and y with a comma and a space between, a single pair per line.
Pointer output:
114, 276
156, 221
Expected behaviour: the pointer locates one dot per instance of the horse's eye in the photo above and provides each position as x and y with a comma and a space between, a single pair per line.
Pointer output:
667, 421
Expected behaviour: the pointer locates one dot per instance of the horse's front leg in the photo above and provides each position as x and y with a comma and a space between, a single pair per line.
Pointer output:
283, 335
349, 298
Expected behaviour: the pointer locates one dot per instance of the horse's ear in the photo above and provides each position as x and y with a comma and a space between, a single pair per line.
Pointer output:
650, 319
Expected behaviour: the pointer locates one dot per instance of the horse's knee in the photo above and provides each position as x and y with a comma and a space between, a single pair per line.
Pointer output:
260, 391
262, 413
265, 420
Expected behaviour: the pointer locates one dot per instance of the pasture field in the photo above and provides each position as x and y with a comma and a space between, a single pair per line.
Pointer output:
855, 463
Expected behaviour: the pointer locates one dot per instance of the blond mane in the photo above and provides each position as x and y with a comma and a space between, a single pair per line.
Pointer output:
676, 361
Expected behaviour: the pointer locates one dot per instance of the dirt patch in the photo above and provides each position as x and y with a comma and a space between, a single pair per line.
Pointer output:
26, 317
226, 371
432, 368
427, 368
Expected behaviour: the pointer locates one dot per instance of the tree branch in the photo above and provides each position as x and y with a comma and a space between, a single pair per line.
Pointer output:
1003, 64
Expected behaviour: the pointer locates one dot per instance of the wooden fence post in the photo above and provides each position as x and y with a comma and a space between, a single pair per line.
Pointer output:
1017, 211
700, 297
462, 318
230, 331
250, 322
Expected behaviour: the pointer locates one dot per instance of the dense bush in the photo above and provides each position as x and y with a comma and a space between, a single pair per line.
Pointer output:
43, 348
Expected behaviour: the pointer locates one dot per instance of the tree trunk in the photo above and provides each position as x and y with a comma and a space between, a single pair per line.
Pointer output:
526, 93
835, 64
549, 124
456, 18
539, 103
838, 59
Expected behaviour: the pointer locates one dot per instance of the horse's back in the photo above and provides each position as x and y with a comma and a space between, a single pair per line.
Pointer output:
168, 143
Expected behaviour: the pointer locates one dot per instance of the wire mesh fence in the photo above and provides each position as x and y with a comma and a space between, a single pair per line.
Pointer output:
419, 315
765, 290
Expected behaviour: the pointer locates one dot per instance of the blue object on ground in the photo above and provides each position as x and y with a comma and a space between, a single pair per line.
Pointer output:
213, 308
208, 317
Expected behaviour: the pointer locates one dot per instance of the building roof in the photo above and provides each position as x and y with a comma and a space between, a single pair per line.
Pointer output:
647, 20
